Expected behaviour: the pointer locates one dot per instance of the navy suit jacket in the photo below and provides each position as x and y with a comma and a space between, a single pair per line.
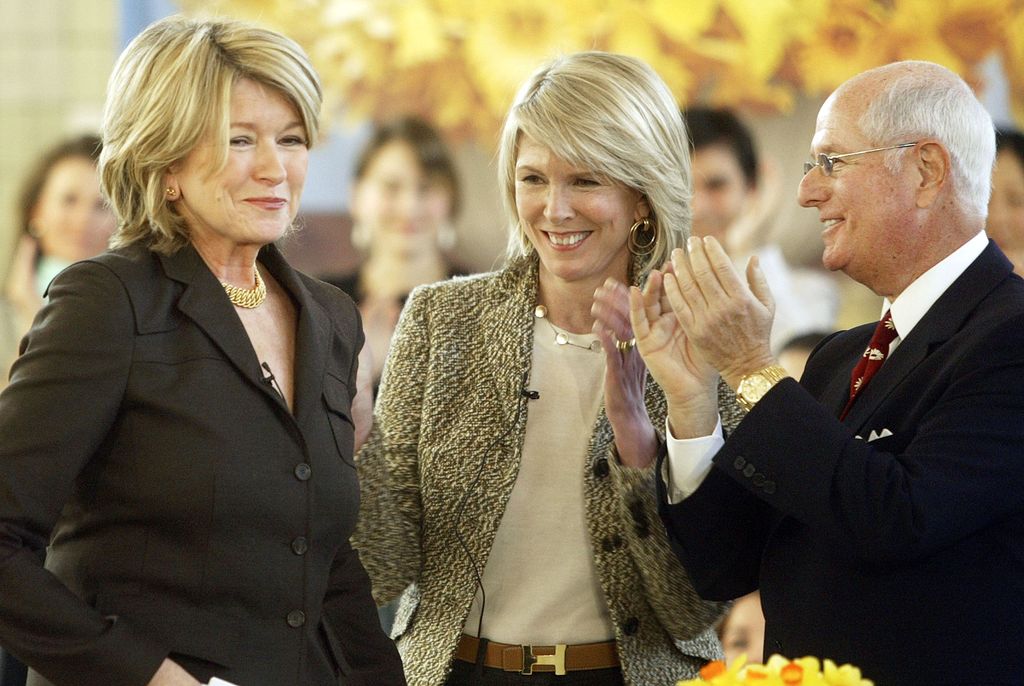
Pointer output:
187, 511
894, 539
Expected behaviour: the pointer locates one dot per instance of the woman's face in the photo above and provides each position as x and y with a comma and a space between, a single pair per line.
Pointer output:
254, 198
398, 204
70, 219
1006, 206
577, 221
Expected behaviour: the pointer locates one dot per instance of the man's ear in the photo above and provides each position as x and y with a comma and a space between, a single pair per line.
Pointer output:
934, 167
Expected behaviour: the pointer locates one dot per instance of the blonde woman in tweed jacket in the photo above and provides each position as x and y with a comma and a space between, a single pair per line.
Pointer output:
516, 432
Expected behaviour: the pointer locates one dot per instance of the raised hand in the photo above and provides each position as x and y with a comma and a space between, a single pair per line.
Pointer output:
689, 383
625, 376
727, 319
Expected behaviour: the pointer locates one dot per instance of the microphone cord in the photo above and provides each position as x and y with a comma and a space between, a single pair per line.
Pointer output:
525, 395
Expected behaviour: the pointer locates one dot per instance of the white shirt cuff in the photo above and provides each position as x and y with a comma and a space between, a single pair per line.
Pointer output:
688, 461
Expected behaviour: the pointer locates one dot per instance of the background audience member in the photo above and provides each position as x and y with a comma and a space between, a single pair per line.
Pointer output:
733, 200
507, 430
405, 198
63, 219
1006, 206
794, 353
742, 630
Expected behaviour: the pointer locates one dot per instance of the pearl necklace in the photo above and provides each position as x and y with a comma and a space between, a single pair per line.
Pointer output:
249, 298
563, 337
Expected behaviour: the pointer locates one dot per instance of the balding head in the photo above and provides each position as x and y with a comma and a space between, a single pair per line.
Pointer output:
893, 214
912, 100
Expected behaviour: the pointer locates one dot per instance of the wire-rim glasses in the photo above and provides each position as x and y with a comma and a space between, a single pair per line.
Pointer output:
826, 162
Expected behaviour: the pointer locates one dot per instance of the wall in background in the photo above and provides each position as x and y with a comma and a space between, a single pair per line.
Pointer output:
55, 56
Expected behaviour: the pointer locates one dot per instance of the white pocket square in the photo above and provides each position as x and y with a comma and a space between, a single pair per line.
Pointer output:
875, 435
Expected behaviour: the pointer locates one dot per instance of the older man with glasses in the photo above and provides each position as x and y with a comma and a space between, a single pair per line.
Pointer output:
878, 504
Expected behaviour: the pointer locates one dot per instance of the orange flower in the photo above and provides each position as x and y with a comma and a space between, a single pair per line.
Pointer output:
712, 669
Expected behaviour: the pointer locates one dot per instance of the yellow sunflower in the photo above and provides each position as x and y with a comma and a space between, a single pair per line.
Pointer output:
506, 41
844, 43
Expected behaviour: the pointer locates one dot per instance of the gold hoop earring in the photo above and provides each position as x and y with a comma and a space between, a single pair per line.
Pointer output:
642, 237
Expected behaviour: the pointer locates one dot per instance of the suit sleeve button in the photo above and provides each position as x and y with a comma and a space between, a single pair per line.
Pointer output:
739, 463
631, 626
749, 471
300, 546
303, 471
296, 618
601, 468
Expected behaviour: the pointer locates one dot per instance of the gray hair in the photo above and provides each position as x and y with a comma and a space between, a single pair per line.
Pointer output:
928, 100
613, 115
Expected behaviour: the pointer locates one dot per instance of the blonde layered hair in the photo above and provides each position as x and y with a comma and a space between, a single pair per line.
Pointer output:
171, 90
613, 115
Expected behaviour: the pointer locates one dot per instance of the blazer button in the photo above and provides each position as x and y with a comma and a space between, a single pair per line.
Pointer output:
613, 542
749, 470
300, 546
739, 463
769, 487
631, 626
303, 471
758, 479
601, 468
296, 618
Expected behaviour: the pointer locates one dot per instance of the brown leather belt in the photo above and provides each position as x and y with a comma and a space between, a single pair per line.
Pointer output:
559, 658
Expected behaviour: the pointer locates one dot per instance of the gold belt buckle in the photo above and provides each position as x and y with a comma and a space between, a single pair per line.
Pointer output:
557, 660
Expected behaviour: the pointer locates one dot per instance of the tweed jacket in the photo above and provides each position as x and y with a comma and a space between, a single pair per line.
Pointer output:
452, 408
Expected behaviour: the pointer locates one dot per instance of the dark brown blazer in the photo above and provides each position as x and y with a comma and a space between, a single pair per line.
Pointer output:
187, 511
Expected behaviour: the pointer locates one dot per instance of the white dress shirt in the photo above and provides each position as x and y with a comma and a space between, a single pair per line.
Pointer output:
689, 460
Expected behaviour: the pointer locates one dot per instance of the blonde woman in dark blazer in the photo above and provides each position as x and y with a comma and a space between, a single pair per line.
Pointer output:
516, 431
178, 426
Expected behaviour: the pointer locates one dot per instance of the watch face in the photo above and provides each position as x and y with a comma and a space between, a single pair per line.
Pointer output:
756, 386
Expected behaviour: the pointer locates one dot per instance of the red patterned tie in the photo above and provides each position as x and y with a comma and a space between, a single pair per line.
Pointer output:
874, 356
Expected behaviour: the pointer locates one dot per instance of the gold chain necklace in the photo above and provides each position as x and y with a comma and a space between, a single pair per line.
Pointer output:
248, 298
562, 337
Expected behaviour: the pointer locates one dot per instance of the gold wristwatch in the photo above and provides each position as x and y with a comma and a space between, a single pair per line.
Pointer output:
753, 386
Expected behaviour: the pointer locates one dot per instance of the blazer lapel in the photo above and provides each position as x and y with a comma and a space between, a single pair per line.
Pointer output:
312, 336
205, 303
510, 316
942, 321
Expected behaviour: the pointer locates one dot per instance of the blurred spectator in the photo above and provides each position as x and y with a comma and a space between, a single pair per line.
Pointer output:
1006, 206
63, 219
742, 630
405, 198
794, 353
734, 197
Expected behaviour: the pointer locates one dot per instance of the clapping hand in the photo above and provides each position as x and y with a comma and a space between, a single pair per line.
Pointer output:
689, 383
625, 377
727, 320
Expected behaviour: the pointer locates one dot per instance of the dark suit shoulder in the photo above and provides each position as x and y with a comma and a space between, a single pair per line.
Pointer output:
130, 264
339, 305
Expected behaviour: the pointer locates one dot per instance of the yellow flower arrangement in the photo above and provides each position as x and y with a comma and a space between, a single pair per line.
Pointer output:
778, 671
458, 62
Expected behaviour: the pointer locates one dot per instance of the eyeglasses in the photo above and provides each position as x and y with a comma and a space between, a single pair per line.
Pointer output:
826, 162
